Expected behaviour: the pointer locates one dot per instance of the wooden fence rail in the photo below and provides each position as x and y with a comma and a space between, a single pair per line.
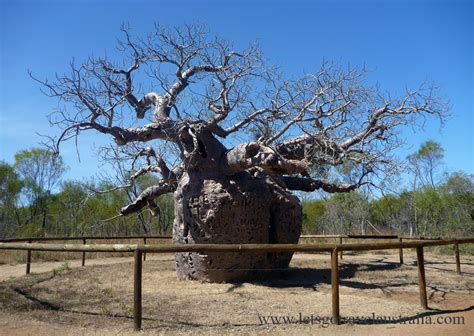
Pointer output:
339, 238
25, 239
144, 237
334, 249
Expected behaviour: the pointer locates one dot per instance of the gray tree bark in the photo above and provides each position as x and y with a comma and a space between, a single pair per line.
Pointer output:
248, 208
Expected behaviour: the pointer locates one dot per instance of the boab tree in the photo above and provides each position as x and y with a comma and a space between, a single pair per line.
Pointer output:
231, 137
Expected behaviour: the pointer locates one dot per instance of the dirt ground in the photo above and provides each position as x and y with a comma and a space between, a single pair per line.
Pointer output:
66, 299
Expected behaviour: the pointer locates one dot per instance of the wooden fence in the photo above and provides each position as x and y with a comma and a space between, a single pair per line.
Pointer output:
334, 249
85, 239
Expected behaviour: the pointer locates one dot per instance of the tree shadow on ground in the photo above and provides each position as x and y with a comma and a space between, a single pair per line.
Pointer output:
311, 278
442, 262
431, 265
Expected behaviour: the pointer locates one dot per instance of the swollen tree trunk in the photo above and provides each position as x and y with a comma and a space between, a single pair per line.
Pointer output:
247, 208
231, 196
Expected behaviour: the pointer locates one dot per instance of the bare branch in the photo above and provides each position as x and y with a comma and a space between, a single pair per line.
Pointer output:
145, 198
309, 184
201, 88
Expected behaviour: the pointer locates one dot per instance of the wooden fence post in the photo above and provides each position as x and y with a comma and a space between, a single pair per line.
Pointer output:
28, 259
340, 242
335, 287
421, 277
137, 291
458, 259
144, 253
400, 251
84, 253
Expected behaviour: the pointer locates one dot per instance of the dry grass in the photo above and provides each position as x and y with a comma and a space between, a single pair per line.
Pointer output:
99, 299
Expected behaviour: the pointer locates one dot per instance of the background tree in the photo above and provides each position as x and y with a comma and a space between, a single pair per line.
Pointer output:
69, 210
392, 214
425, 162
231, 137
40, 171
10, 188
458, 194
423, 166
313, 210
347, 213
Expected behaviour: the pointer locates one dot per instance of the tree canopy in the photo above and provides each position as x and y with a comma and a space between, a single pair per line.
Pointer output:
184, 100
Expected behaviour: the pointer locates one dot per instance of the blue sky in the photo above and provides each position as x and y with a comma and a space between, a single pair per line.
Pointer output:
404, 42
